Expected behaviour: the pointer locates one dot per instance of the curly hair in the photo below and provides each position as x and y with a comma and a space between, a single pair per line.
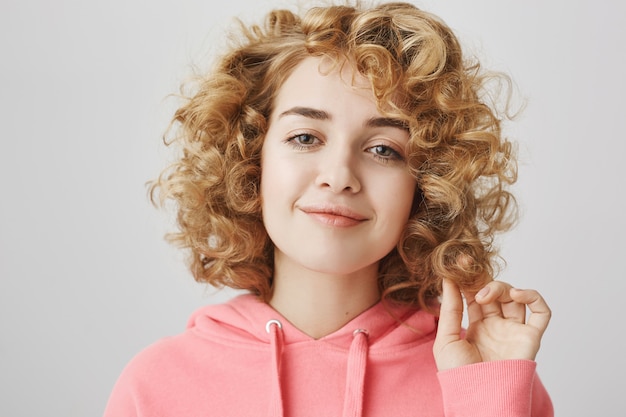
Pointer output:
460, 160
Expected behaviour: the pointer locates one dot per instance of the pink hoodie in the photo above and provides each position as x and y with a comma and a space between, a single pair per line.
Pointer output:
243, 359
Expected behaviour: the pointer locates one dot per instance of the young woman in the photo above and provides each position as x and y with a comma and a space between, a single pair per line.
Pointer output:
343, 168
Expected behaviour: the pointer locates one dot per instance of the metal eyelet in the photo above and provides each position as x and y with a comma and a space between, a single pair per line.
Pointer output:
275, 322
357, 331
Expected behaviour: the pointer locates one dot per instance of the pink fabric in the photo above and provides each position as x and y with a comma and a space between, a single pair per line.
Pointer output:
229, 362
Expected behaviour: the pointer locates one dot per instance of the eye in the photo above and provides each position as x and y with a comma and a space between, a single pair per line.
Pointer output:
382, 150
303, 141
385, 153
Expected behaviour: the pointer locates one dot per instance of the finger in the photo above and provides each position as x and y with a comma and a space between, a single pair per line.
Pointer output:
513, 310
501, 302
474, 310
450, 314
540, 313
492, 296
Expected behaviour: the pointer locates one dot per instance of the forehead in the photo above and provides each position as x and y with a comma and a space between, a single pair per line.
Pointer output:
320, 83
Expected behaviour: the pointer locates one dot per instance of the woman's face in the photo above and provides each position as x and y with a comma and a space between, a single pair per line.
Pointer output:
335, 188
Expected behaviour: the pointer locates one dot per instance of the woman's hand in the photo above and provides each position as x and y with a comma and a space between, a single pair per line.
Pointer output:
497, 330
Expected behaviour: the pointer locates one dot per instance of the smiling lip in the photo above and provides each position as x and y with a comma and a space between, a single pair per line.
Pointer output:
337, 216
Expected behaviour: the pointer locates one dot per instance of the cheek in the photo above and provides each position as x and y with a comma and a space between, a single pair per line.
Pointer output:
272, 177
278, 184
409, 194
401, 209
267, 172
399, 196
268, 198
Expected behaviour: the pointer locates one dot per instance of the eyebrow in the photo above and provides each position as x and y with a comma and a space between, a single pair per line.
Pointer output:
306, 112
387, 122
322, 115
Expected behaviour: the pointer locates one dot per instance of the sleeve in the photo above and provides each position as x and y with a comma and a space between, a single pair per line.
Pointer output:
509, 388
142, 386
122, 401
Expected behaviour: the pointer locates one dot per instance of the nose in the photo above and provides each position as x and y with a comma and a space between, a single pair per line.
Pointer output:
337, 171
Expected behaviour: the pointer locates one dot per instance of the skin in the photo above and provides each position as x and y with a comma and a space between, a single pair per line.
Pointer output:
320, 154
498, 329
336, 196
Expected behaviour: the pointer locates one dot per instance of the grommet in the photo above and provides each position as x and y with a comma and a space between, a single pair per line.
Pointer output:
269, 323
357, 331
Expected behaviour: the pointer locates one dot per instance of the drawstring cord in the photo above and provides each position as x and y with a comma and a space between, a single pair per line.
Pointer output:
355, 378
274, 328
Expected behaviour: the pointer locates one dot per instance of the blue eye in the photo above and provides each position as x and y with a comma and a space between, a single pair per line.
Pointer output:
382, 150
303, 141
385, 153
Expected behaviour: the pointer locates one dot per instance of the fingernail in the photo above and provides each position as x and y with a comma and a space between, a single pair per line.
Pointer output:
483, 293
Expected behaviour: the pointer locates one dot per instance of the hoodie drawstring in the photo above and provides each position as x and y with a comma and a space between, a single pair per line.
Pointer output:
274, 328
355, 377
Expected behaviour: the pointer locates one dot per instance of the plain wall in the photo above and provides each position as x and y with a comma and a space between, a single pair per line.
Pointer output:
86, 279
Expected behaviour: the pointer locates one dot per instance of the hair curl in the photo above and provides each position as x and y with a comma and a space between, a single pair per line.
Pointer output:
457, 154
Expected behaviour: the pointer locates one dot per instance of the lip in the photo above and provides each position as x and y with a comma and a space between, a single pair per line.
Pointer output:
334, 215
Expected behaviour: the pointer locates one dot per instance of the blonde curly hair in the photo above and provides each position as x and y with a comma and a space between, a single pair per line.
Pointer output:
461, 163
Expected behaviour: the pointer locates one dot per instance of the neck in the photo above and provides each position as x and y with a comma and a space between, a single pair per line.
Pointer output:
319, 304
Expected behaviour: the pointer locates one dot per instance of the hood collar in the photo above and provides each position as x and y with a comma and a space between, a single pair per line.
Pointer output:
244, 318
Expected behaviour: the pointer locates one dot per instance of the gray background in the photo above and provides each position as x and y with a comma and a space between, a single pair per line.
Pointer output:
86, 280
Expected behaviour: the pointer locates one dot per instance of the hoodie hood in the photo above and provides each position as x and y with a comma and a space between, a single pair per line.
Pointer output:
245, 319
380, 330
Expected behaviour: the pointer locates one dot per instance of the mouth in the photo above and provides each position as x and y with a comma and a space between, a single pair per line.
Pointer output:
332, 215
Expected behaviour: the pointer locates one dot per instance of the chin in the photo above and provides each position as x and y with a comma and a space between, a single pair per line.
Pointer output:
338, 266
